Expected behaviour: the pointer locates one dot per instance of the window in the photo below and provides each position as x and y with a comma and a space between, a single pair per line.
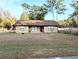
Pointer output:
50, 28
34, 29
22, 29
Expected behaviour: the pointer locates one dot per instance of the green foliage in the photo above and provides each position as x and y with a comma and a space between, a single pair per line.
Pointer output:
24, 16
6, 19
60, 7
51, 6
69, 32
75, 13
67, 23
55, 6
35, 12
75, 5
26, 6
6, 23
0, 20
74, 23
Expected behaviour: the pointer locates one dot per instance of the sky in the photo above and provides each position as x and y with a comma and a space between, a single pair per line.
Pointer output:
15, 8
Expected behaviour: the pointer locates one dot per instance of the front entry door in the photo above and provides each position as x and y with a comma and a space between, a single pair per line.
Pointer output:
42, 29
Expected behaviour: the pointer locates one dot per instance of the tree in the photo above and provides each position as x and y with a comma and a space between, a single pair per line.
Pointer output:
51, 6
61, 23
73, 23
12, 21
0, 20
75, 6
24, 16
74, 15
38, 12
60, 8
8, 22
67, 23
26, 7
35, 12
6, 19
55, 6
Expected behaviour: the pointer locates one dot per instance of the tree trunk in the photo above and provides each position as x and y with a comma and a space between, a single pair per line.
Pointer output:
56, 17
52, 12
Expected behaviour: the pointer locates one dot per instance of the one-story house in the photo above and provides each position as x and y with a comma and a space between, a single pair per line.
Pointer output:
36, 26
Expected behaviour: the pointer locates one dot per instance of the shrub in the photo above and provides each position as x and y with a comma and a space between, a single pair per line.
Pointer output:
68, 32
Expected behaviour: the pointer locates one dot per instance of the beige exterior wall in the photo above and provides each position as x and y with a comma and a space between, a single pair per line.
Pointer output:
22, 29
38, 29
50, 29
26, 29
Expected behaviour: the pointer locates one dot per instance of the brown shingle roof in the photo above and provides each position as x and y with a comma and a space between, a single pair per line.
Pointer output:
36, 22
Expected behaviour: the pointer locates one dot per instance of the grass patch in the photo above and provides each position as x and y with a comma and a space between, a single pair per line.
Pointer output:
18, 46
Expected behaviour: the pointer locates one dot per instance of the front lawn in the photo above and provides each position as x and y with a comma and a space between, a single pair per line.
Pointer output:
21, 46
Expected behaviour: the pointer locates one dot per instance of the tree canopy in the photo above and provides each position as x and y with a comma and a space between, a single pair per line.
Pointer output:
6, 19
35, 12
55, 6
75, 6
24, 16
67, 23
74, 15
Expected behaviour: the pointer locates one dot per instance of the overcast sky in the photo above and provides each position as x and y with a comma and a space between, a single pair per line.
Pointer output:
15, 8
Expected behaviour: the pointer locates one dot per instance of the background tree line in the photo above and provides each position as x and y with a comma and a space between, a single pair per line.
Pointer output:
38, 12
55, 7
34, 12
72, 21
